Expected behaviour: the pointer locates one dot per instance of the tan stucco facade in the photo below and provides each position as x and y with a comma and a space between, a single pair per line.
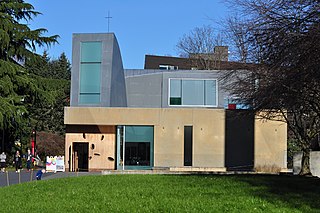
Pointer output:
270, 148
208, 135
101, 147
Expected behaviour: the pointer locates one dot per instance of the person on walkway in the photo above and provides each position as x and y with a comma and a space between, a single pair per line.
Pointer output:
40, 173
29, 160
17, 161
3, 158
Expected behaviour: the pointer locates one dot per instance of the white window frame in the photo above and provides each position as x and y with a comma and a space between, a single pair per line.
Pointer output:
168, 67
192, 79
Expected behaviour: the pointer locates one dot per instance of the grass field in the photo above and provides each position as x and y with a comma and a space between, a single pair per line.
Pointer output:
164, 193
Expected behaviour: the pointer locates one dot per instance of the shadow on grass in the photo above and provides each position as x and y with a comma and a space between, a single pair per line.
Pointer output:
295, 191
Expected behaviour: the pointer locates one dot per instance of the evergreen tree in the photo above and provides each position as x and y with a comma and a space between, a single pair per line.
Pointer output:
18, 88
55, 75
38, 65
62, 67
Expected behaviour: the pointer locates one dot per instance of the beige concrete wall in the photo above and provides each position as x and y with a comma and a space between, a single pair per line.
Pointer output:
208, 130
104, 147
110, 116
270, 148
208, 134
208, 137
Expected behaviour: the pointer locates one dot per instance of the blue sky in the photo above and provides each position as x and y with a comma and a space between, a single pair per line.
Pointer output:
141, 26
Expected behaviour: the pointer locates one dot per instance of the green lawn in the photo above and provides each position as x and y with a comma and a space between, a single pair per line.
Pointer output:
165, 193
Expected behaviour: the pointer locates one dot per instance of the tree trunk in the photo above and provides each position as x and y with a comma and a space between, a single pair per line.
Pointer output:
305, 162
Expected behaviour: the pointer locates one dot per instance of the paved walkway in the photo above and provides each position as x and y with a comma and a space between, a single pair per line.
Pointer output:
11, 177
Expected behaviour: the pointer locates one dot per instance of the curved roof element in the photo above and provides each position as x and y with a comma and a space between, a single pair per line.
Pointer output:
97, 81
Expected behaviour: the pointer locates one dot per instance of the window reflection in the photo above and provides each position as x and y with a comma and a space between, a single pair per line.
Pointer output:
137, 154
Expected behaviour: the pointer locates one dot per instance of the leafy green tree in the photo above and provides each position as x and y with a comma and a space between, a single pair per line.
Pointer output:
18, 88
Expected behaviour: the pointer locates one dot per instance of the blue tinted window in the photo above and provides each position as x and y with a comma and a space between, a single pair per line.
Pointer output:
139, 134
138, 147
91, 51
90, 78
90, 72
89, 98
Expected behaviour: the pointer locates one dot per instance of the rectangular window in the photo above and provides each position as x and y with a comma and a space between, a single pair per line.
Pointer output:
187, 146
167, 67
90, 78
193, 92
175, 92
91, 52
137, 147
189, 92
137, 154
90, 72
210, 92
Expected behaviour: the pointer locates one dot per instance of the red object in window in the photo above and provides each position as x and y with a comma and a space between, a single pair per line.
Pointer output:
232, 106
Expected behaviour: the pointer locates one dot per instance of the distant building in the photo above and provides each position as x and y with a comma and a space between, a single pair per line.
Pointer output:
215, 61
161, 117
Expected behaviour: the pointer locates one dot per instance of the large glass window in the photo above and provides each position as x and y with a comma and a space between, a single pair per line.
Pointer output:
191, 92
135, 147
90, 72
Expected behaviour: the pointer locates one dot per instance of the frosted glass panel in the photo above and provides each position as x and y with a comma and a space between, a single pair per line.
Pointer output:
90, 78
91, 52
192, 92
89, 98
175, 88
210, 94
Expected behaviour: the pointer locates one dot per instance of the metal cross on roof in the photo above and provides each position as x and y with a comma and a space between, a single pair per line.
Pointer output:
108, 17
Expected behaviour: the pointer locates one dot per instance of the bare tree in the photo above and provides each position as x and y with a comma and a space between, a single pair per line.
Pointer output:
286, 36
203, 47
237, 35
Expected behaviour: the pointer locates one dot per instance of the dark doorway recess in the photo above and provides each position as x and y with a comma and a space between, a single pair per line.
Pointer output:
187, 146
81, 157
239, 146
